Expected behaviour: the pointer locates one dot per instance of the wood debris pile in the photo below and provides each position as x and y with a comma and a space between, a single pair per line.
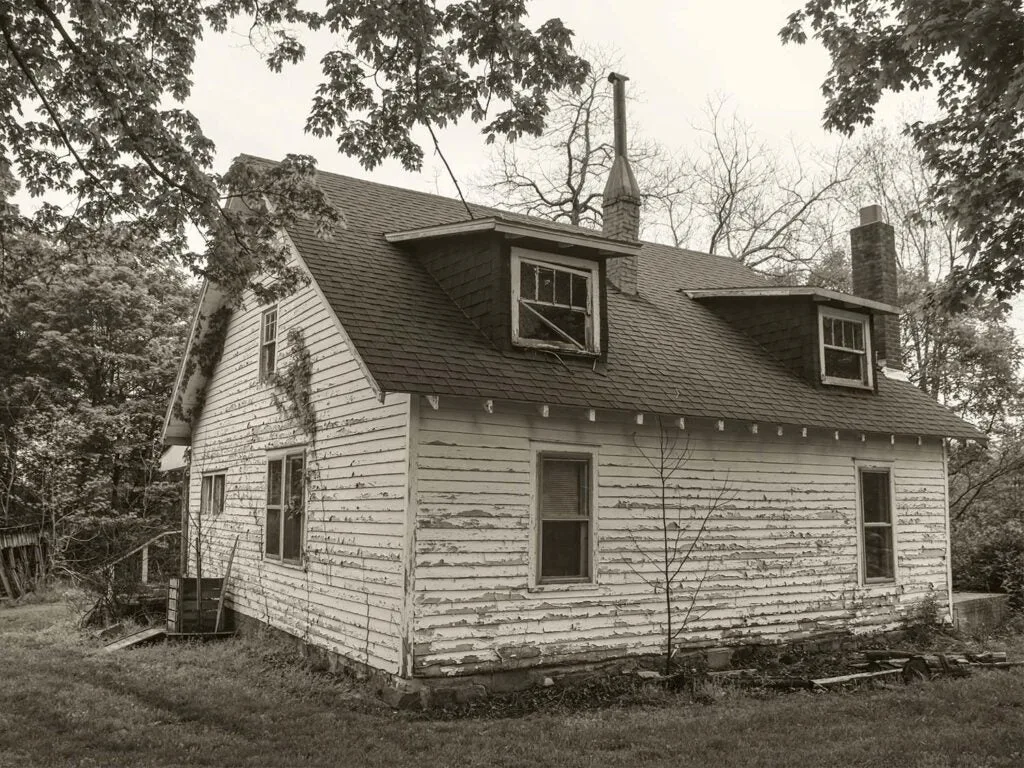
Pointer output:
908, 666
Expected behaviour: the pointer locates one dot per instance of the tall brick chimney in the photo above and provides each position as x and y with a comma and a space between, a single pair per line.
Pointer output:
621, 204
873, 261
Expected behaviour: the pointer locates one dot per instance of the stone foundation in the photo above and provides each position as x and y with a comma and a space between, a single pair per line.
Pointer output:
432, 692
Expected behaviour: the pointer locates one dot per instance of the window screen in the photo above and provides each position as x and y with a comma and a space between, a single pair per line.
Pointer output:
565, 518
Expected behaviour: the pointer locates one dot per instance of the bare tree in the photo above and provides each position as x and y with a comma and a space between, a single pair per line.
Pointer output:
665, 559
561, 175
747, 201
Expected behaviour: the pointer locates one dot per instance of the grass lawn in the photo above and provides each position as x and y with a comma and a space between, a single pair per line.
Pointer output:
235, 703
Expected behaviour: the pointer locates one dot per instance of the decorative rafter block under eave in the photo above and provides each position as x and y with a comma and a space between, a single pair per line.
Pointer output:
489, 406
639, 419
591, 414
778, 430
720, 425
435, 401
803, 431
544, 410
681, 423
753, 429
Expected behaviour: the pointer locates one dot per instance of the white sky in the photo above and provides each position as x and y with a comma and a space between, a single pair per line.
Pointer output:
675, 53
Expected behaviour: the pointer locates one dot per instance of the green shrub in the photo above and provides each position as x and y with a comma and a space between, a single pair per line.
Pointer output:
990, 558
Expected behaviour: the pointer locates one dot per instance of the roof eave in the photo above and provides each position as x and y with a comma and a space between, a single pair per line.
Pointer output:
820, 295
516, 229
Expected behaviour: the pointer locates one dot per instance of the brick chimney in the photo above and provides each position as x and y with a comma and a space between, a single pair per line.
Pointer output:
621, 204
873, 261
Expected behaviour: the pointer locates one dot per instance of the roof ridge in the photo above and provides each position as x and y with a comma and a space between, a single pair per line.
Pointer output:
498, 211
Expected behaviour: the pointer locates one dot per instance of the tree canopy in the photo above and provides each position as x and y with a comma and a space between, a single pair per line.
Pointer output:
970, 54
92, 107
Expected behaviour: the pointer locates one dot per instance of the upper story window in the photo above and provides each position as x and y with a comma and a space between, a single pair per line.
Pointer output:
268, 343
845, 348
555, 302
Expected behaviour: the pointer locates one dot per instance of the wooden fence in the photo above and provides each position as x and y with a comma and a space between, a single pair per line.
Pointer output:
22, 559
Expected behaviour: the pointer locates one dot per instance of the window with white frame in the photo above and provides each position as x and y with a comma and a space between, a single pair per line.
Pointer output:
286, 506
878, 536
845, 348
268, 343
211, 495
555, 302
564, 517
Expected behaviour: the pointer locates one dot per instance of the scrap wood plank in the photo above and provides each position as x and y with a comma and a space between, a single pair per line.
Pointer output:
826, 681
224, 588
152, 633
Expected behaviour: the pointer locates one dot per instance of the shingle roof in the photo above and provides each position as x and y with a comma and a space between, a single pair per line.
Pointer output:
667, 353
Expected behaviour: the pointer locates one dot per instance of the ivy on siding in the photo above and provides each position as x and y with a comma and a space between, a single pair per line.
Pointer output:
292, 393
202, 358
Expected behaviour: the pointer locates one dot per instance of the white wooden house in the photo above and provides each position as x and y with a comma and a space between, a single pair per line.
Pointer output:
480, 490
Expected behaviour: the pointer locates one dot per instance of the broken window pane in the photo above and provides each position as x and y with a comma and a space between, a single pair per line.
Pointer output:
546, 285
563, 288
571, 322
528, 281
580, 291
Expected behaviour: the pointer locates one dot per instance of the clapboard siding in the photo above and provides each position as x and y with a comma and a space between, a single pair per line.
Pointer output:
349, 596
780, 552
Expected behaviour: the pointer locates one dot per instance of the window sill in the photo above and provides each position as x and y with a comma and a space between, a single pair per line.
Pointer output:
880, 587
565, 586
560, 349
292, 565
831, 381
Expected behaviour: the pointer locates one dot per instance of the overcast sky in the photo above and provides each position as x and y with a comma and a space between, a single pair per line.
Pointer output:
676, 54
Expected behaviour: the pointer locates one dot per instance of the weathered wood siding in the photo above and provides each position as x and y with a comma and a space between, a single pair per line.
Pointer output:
780, 552
349, 596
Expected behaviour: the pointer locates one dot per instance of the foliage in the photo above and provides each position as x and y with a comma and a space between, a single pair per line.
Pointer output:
969, 55
293, 384
92, 108
988, 556
92, 343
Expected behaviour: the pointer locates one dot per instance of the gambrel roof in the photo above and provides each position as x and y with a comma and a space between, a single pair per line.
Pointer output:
667, 353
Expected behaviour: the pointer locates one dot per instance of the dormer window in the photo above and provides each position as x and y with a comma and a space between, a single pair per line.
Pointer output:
555, 302
845, 348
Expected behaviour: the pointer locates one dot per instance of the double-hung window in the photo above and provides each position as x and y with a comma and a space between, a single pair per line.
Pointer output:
286, 506
211, 495
878, 537
555, 302
845, 348
565, 517
268, 343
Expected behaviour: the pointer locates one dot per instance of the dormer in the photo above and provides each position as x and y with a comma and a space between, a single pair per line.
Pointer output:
830, 338
822, 335
527, 285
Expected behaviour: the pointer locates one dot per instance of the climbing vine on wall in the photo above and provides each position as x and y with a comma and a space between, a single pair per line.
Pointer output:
203, 355
292, 394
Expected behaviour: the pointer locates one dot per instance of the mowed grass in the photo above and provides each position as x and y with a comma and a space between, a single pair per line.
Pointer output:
238, 704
